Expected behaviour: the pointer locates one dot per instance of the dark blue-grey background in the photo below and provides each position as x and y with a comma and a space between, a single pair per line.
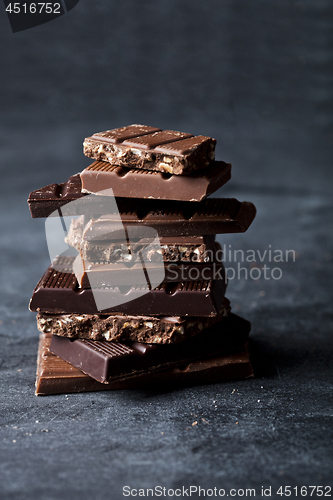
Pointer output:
257, 76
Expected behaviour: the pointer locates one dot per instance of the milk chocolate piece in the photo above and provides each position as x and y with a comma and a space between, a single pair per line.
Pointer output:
59, 293
108, 361
151, 149
136, 183
172, 249
124, 328
55, 376
108, 274
211, 216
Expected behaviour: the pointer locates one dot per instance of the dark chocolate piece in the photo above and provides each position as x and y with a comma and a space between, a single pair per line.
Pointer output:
125, 328
211, 216
59, 293
136, 183
55, 376
46, 200
161, 150
107, 361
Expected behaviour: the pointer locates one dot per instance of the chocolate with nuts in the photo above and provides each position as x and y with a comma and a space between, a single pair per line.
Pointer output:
149, 148
172, 249
122, 328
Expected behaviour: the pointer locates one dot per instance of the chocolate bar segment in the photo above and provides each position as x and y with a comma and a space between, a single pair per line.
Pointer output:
59, 293
107, 274
46, 200
136, 183
169, 219
181, 263
155, 139
211, 216
123, 133
91, 246
56, 376
165, 151
108, 361
125, 328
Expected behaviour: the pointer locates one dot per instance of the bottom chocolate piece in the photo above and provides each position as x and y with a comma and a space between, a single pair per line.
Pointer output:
55, 376
109, 361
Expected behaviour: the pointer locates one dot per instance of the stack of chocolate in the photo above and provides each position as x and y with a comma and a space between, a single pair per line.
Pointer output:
143, 301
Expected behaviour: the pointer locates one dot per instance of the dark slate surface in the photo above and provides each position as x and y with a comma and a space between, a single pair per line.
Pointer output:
255, 75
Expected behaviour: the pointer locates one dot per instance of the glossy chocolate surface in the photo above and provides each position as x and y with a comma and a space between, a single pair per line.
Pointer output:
107, 361
59, 293
56, 376
211, 216
139, 146
136, 183
106, 274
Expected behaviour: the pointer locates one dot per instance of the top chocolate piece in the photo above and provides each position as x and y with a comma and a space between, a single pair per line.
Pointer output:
149, 148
